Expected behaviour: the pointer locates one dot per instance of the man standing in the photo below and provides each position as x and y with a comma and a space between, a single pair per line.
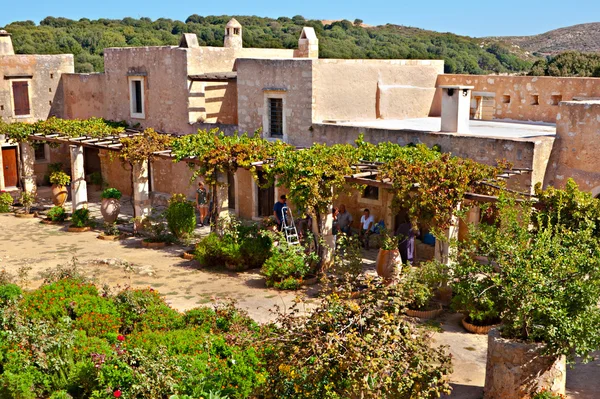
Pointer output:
344, 220
278, 211
366, 224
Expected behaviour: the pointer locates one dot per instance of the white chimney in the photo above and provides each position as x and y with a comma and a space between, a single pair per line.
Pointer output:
456, 108
6, 47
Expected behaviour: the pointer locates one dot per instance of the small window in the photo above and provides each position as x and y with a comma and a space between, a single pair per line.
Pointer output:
136, 96
535, 100
276, 116
506, 99
371, 192
556, 99
40, 152
21, 98
51, 76
236, 31
49, 89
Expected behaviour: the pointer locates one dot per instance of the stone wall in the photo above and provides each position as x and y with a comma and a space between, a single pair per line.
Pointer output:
45, 84
371, 89
84, 95
522, 152
576, 148
527, 98
290, 79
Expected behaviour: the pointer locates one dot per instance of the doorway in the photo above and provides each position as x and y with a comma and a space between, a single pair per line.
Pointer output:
266, 197
9, 162
231, 190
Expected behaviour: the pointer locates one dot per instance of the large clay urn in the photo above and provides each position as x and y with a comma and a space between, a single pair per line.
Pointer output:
110, 209
389, 264
59, 195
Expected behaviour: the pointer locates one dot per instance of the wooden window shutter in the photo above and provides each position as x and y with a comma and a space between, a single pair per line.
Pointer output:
21, 98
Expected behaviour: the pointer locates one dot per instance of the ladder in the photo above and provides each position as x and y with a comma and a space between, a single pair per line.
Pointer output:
291, 234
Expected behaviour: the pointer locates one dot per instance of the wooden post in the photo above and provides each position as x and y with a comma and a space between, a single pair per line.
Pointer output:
79, 198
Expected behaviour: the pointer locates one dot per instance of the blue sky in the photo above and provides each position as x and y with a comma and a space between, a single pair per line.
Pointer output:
473, 18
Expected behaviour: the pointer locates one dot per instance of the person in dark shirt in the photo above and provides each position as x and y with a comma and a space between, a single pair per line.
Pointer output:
202, 202
278, 211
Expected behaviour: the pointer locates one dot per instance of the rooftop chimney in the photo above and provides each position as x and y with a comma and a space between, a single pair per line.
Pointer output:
6, 47
456, 108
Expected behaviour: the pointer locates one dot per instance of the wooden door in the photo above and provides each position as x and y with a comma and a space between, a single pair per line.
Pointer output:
9, 162
266, 198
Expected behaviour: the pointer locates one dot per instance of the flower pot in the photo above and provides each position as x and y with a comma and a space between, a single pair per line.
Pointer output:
444, 295
472, 328
188, 255
110, 209
73, 229
310, 280
26, 215
389, 263
109, 238
149, 244
517, 370
59, 195
48, 221
425, 314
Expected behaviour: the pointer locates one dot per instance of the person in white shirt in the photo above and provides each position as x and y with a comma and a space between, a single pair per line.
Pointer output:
366, 227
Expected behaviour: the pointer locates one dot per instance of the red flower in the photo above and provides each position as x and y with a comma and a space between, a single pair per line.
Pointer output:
117, 393
120, 338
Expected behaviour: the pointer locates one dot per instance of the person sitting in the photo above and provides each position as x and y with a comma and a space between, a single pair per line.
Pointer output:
366, 227
344, 220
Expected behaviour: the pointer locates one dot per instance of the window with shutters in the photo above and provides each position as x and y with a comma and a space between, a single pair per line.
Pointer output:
41, 152
21, 98
136, 97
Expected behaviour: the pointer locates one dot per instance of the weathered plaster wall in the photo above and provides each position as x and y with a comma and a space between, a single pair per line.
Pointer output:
522, 89
292, 79
523, 153
370, 89
165, 91
355, 204
114, 172
577, 145
45, 91
172, 178
246, 194
55, 154
84, 95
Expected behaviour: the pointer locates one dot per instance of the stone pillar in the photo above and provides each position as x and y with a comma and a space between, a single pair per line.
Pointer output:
517, 370
79, 198
27, 168
141, 190
443, 252
222, 195
456, 108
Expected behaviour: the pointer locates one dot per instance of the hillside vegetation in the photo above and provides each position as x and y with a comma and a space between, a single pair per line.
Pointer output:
570, 63
86, 39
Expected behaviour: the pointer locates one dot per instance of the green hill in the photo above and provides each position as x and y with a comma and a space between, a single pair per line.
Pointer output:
86, 39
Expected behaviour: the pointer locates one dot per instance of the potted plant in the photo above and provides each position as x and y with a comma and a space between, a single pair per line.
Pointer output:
111, 232
420, 285
156, 230
6, 201
95, 179
26, 199
80, 221
548, 271
59, 181
389, 261
110, 206
55, 215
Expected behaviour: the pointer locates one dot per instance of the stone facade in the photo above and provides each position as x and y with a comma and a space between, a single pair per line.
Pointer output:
516, 370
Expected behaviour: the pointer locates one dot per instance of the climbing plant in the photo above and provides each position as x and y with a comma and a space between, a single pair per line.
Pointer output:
71, 128
138, 149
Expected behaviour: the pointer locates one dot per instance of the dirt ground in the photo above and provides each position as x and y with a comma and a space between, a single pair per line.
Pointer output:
28, 247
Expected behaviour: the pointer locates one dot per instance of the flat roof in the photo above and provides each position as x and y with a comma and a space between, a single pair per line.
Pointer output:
479, 128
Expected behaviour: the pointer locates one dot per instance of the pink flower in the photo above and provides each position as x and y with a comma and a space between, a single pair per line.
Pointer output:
117, 393
120, 338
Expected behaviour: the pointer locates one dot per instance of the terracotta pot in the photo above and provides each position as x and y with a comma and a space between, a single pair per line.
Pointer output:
26, 215
389, 263
72, 229
110, 209
188, 255
472, 328
444, 295
48, 221
425, 314
148, 244
59, 195
310, 280
109, 238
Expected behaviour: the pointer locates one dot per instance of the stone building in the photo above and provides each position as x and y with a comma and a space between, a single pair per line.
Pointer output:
31, 88
545, 125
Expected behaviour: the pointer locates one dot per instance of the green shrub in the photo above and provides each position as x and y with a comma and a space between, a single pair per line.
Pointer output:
111, 193
144, 309
9, 293
210, 252
546, 394
60, 178
60, 395
57, 214
6, 201
27, 199
80, 218
286, 263
96, 178
181, 216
